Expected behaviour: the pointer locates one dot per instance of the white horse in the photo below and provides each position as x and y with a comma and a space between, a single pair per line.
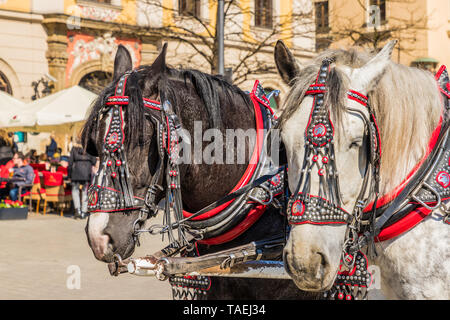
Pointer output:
407, 105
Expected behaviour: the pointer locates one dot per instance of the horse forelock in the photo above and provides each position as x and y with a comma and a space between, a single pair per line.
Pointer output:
134, 111
406, 102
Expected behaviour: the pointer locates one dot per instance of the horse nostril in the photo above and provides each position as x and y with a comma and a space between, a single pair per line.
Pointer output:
100, 246
322, 265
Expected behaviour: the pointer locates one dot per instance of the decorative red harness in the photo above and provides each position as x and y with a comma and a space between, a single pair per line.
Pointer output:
258, 210
418, 214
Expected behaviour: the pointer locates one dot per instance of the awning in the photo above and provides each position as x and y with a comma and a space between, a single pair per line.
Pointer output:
67, 106
8, 107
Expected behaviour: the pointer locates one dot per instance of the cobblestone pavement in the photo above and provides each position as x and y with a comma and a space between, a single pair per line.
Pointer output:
36, 255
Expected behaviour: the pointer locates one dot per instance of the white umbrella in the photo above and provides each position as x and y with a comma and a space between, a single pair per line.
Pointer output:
9, 108
63, 107
66, 106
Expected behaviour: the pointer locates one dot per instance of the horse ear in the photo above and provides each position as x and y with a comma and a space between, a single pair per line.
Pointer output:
122, 62
286, 64
368, 75
159, 65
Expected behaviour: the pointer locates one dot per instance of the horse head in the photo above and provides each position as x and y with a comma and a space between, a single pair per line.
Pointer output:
330, 138
128, 128
112, 223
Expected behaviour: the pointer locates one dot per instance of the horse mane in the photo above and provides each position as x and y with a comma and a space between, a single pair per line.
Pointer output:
207, 87
406, 102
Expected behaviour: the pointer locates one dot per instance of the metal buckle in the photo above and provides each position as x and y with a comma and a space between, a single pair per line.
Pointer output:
438, 197
262, 202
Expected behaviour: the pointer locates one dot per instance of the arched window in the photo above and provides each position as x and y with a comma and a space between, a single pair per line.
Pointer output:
4, 84
96, 81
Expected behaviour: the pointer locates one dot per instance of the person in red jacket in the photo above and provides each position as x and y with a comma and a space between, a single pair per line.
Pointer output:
5, 173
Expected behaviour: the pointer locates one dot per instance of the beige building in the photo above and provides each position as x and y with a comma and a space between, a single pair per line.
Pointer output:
49, 45
23, 45
421, 26
73, 42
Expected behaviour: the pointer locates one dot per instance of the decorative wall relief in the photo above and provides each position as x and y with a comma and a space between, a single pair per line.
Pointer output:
83, 48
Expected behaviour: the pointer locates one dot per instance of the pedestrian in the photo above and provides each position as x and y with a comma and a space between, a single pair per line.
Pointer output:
6, 149
52, 148
80, 174
13, 142
23, 175
6, 154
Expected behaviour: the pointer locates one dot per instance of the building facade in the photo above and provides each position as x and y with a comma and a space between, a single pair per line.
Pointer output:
73, 42
422, 28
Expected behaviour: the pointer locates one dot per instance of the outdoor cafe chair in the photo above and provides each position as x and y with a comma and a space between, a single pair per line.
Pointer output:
55, 191
38, 166
36, 192
63, 170
27, 185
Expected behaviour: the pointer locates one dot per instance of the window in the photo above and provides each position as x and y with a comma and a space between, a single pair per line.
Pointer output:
381, 4
189, 8
263, 13
322, 24
4, 84
96, 81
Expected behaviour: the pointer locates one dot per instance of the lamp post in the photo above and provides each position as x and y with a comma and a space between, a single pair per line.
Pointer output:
220, 36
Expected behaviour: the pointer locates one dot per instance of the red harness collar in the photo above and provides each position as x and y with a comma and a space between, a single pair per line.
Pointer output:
417, 215
258, 210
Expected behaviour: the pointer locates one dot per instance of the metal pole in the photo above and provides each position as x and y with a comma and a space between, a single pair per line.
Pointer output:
220, 36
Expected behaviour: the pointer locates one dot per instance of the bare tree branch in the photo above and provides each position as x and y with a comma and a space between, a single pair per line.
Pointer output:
200, 35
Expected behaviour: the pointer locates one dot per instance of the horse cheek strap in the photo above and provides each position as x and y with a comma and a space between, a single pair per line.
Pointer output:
112, 190
324, 208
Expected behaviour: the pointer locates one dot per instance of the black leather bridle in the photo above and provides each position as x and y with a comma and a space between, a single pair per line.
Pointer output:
111, 190
325, 207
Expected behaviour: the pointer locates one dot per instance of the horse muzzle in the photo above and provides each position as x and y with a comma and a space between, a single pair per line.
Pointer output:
307, 259
109, 234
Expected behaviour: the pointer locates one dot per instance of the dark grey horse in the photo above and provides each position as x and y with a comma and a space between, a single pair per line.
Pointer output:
195, 96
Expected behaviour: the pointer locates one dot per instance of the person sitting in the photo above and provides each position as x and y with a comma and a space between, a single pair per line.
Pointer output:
6, 149
32, 156
23, 175
44, 160
63, 165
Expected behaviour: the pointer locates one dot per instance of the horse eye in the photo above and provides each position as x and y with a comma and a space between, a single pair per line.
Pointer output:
356, 143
